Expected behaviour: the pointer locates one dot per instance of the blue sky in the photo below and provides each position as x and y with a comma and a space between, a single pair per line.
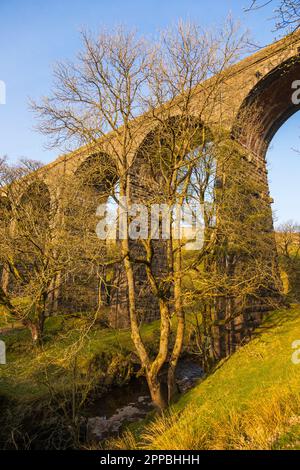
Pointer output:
35, 34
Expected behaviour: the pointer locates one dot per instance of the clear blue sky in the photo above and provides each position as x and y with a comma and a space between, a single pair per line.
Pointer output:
34, 34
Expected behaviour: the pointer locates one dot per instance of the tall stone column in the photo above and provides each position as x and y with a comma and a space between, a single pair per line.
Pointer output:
247, 248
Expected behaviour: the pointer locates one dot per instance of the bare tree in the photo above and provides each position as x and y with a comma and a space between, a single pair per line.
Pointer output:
100, 94
286, 12
96, 103
47, 240
188, 161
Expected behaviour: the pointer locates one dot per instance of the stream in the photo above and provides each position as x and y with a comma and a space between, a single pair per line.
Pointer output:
131, 403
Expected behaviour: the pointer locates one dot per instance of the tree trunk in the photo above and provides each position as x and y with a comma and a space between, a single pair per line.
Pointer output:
33, 328
152, 368
158, 396
5, 280
180, 324
134, 323
36, 327
56, 293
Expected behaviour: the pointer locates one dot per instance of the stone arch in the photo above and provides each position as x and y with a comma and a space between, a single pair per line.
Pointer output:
88, 185
37, 195
95, 180
98, 172
29, 209
150, 161
152, 153
5, 223
266, 107
273, 94
271, 103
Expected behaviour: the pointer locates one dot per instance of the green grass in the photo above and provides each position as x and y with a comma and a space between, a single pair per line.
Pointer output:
250, 401
23, 377
104, 354
6, 320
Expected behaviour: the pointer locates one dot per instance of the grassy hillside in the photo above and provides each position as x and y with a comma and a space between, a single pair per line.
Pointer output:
251, 400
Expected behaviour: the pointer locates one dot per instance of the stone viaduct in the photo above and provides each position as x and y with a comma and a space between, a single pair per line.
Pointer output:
264, 79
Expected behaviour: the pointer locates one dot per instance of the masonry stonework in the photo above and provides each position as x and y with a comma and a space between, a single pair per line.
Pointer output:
263, 80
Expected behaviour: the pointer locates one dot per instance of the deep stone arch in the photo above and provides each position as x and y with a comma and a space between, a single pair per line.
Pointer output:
147, 186
30, 212
36, 196
98, 172
273, 99
151, 160
271, 103
93, 181
5, 224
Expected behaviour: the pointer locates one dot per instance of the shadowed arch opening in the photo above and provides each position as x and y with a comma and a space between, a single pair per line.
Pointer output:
95, 182
174, 141
5, 223
98, 173
267, 107
34, 207
170, 149
90, 186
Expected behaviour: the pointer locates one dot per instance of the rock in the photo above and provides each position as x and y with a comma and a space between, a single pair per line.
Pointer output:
99, 427
142, 399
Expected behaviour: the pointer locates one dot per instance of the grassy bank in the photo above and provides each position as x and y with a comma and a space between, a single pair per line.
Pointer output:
96, 351
43, 390
102, 354
251, 400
